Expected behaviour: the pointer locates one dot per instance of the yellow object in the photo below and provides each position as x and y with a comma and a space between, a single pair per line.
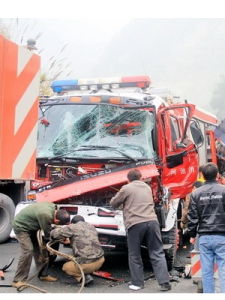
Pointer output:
201, 179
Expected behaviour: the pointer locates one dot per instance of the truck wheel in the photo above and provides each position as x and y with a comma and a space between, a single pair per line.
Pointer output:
171, 237
7, 211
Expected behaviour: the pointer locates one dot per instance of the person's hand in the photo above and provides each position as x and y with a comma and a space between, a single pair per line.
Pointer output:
192, 241
66, 241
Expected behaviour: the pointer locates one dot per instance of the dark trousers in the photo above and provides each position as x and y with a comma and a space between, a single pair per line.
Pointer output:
150, 232
29, 248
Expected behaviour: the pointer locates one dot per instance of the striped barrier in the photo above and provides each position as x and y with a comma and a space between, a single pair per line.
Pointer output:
19, 89
196, 271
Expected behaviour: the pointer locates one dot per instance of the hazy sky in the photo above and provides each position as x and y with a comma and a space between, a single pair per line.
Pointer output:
84, 39
91, 29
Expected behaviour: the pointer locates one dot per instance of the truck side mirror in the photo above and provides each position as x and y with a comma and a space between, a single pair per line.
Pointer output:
196, 133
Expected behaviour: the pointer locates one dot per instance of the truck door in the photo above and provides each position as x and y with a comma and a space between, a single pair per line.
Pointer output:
178, 150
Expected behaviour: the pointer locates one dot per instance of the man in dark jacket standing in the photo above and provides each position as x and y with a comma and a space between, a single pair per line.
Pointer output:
207, 218
87, 249
26, 223
141, 223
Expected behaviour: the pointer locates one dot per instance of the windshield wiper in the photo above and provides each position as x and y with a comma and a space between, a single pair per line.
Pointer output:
64, 157
98, 147
89, 148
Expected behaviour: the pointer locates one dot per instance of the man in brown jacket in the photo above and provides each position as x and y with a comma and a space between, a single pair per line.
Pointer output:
141, 223
86, 247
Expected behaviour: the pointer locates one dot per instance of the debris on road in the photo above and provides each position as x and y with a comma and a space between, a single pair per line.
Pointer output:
3, 269
107, 275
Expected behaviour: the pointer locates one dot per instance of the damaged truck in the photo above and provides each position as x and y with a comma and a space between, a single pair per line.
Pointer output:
92, 132
78, 151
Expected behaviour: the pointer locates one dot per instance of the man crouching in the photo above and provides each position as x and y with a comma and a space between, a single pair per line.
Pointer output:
86, 247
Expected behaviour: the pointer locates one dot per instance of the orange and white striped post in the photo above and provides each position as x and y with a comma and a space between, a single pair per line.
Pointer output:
196, 271
19, 89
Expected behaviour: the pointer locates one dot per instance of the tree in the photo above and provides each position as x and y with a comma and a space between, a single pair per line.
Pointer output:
18, 30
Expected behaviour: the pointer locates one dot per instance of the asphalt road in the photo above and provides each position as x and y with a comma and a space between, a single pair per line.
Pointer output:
115, 264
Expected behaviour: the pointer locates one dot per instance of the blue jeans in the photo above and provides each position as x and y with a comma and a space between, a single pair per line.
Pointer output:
212, 249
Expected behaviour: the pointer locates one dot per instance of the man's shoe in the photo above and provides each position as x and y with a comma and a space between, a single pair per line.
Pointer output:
69, 279
17, 284
165, 287
88, 279
48, 278
135, 287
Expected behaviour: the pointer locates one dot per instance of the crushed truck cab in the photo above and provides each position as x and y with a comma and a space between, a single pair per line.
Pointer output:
92, 132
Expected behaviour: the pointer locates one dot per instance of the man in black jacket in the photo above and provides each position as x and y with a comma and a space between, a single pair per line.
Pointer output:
207, 218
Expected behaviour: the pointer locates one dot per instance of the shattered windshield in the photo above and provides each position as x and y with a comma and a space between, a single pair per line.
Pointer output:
94, 131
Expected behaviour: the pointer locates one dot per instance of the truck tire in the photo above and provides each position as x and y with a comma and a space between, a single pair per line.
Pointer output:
7, 211
171, 237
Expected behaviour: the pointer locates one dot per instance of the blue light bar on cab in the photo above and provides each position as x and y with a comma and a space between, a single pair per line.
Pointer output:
60, 86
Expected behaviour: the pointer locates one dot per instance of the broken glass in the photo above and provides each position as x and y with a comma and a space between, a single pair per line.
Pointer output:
103, 131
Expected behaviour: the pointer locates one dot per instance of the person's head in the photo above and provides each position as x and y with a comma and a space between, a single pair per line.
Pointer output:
200, 175
61, 217
77, 218
200, 169
134, 174
210, 171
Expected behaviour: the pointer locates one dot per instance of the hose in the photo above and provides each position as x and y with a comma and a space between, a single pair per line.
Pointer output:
42, 248
69, 257
52, 251
27, 285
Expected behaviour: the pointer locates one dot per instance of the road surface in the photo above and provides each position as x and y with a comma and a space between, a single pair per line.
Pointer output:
115, 264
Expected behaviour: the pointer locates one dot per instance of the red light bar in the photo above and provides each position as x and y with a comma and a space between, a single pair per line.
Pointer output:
141, 81
100, 83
